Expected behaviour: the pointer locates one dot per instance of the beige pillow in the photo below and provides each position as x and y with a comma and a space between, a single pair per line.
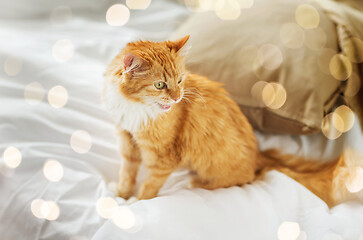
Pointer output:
266, 44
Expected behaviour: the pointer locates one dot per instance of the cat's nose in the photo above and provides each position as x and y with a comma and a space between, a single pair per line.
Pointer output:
175, 96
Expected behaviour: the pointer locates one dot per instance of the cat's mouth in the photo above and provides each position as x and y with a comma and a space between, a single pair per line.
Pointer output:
165, 107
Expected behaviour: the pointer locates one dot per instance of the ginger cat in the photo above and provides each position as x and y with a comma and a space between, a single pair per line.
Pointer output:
168, 118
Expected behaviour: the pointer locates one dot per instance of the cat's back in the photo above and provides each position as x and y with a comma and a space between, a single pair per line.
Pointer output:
214, 128
201, 84
208, 99
211, 111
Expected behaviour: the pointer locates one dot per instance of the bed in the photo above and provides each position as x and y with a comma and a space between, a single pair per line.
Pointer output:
60, 159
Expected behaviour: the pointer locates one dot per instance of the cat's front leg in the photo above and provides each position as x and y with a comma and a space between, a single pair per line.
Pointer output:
130, 166
155, 179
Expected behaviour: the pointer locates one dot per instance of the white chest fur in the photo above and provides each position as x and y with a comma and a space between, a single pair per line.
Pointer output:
129, 115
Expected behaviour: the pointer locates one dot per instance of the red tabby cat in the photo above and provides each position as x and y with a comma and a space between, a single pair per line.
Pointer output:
169, 118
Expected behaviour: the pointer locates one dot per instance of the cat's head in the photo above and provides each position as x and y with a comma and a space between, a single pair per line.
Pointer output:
151, 73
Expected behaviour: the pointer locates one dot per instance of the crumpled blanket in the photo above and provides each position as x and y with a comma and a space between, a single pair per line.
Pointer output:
348, 17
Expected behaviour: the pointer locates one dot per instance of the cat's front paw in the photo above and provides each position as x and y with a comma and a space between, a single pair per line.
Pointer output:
124, 194
146, 193
124, 191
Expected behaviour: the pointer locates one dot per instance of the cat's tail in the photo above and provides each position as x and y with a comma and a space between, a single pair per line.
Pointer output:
333, 182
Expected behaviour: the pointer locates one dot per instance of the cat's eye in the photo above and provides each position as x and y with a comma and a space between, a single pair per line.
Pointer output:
180, 80
159, 85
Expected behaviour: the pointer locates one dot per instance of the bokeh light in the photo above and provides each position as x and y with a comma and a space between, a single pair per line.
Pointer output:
49, 210
345, 121
354, 182
81, 141
307, 16
227, 9
353, 86
275, 95
340, 67
34, 93
138, 4
315, 39
323, 60
45, 209
106, 207
332, 236
256, 91
288, 231
36, 206
53, 170
269, 56
13, 66
328, 128
57, 96
60, 14
63, 50
354, 49
124, 218
292, 35
272, 95
117, 15
12, 157
268, 94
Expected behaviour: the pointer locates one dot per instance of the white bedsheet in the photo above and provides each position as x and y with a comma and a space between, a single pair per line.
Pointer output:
42, 132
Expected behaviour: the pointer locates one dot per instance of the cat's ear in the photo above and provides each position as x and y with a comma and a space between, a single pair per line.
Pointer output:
177, 44
131, 62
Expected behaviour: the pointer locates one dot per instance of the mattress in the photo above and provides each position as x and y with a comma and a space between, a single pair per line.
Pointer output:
60, 158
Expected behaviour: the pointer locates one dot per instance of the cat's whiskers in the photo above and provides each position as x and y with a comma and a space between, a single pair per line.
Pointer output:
196, 91
186, 98
191, 96
190, 93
